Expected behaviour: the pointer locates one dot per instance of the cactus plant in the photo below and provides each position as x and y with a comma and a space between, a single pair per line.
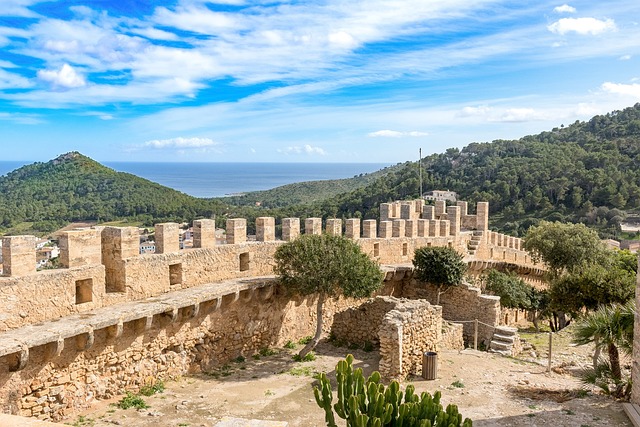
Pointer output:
368, 403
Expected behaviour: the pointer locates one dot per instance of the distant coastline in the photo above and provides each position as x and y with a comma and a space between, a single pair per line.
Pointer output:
226, 179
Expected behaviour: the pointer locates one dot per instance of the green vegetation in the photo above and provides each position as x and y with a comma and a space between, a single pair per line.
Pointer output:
366, 402
610, 328
157, 387
306, 192
564, 247
328, 266
132, 401
439, 265
266, 351
512, 290
584, 274
308, 357
75, 188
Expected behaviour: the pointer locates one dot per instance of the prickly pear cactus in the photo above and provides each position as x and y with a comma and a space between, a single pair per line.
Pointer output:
367, 403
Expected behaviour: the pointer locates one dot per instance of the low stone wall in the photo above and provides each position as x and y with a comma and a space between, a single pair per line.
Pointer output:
452, 337
410, 329
404, 328
461, 303
360, 325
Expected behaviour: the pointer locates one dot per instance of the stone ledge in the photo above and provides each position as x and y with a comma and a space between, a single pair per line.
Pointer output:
19, 341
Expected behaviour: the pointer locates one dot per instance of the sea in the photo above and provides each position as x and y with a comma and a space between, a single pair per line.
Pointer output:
224, 179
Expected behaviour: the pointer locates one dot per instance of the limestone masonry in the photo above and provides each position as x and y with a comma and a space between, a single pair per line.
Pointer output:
112, 320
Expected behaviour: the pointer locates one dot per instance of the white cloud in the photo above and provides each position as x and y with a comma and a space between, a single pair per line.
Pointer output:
625, 57
65, 77
582, 26
481, 110
516, 115
386, 133
632, 90
154, 33
305, 149
17, 8
565, 8
181, 143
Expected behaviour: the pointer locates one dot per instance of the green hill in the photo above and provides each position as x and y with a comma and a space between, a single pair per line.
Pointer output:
307, 192
73, 187
586, 172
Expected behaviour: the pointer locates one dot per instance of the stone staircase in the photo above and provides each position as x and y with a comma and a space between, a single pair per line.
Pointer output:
474, 243
505, 341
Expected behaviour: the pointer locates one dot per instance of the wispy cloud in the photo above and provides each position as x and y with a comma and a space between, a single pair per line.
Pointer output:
23, 119
582, 26
181, 143
565, 8
18, 8
304, 149
395, 134
516, 115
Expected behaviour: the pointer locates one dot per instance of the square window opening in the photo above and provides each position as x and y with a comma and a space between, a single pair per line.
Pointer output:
84, 291
175, 274
244, 261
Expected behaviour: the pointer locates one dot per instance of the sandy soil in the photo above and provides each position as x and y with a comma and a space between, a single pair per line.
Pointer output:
490, 389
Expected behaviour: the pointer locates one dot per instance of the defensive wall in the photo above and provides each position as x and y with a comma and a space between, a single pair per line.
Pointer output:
112, 320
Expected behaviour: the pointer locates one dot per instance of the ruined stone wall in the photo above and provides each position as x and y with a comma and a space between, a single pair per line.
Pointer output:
462, 303
360, 325
452, 337
406, 332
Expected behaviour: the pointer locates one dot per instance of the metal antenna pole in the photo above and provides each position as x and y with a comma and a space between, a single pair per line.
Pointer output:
420, 171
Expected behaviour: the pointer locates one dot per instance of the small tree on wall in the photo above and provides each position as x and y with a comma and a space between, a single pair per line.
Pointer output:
439, 265
329, 266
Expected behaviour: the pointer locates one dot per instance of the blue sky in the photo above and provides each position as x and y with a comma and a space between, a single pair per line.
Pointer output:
304, 81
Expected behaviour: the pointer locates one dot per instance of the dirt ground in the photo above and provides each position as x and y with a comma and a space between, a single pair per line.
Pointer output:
490, 389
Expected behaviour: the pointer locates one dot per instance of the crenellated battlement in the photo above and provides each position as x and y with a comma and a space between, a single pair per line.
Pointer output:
102, 265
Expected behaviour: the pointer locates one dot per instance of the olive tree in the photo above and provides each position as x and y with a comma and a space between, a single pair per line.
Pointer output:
563, 246
328, 266
439, 265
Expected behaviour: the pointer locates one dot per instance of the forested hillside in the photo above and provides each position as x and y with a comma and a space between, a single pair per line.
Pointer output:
586, 172
307, 192
75, 188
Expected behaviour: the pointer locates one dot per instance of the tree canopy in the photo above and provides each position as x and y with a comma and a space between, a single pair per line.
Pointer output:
326, 265
512, 290
564, 246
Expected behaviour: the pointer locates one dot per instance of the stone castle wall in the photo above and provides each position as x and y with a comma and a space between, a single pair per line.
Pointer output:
112, 320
